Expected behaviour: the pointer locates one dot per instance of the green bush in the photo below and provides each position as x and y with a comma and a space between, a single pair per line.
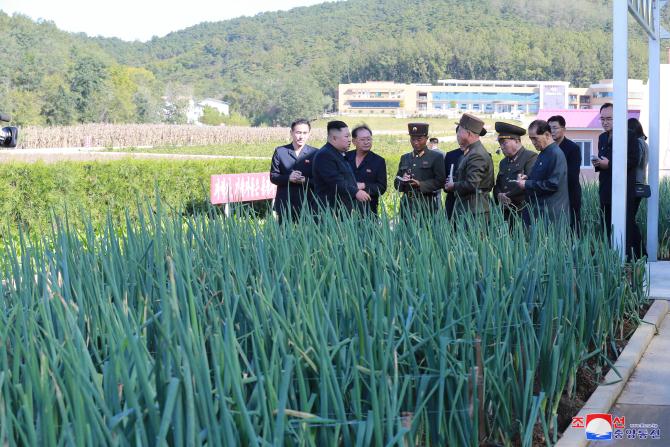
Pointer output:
30, 193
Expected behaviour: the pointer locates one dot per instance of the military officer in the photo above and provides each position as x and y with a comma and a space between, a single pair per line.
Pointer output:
518, 160
420, 174
473, 178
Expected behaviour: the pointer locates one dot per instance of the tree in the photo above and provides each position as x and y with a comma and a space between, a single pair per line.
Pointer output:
58, 106
211, 116
89, 85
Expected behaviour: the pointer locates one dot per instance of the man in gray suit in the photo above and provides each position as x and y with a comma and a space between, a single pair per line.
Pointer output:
547, 185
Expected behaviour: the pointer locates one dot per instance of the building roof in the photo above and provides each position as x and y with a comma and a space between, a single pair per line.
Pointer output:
212, 100
580, 119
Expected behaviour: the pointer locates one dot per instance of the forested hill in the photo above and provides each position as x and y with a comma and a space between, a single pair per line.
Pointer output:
274, 66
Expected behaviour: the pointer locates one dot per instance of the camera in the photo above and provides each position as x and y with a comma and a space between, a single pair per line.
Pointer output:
8, 135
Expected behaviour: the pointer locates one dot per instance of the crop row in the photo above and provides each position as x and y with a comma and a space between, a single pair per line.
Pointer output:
206, 330
134, 135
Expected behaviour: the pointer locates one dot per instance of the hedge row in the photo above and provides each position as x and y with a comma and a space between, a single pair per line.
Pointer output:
31, 192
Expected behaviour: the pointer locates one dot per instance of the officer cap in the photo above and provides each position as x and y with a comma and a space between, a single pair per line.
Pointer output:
473, 124
507, 130
418, 129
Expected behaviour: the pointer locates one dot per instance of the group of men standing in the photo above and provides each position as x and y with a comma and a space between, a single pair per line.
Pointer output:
529, 184
334, 177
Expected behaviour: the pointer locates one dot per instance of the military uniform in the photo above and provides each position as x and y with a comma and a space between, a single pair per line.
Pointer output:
473, 180
509, 169
427, 168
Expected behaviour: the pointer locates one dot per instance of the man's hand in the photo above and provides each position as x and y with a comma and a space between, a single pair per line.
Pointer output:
362, 196
296, 177
502, 198
414, 183
521, 180
360, 185
601, 163
449, 184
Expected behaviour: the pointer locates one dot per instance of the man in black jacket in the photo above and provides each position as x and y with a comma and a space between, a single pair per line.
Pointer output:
334, 181
603, 165
573, 158
291, 171
369, 168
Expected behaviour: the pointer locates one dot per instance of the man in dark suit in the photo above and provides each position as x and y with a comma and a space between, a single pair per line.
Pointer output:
573, 158
334, 181
291, 171
547, 184
369, 168
603, 165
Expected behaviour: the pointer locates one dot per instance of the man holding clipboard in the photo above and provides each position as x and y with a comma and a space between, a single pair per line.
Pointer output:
420, 174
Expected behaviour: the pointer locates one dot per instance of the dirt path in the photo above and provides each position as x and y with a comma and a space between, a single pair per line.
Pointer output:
80, 154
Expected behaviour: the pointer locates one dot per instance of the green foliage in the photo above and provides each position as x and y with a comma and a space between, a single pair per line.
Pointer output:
237, 332
29, 193
276, 66
211, 116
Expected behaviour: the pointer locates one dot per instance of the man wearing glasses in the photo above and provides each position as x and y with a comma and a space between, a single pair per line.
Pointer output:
518, 161
603, 165
369, 168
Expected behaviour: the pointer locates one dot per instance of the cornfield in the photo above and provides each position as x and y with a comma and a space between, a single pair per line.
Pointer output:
206, 330
134, 135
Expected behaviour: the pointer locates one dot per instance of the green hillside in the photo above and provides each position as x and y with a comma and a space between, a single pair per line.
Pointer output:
275, 66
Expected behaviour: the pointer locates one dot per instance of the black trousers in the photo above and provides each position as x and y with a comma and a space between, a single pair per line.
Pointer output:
635, 248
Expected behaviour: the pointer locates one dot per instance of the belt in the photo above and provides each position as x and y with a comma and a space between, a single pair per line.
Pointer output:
427, 195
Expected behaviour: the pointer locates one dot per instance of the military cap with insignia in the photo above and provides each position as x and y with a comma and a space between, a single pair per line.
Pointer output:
418, 129
507, 130
473, 124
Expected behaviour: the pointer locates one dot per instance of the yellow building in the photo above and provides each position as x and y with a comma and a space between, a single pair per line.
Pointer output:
505, 99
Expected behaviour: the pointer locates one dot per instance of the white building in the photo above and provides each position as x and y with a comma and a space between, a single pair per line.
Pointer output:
194, 111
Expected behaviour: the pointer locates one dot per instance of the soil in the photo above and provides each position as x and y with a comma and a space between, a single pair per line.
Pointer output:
588, 377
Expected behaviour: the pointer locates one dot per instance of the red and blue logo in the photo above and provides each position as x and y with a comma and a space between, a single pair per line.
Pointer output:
598, 426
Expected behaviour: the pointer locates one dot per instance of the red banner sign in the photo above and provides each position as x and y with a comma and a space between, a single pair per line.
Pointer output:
232, 188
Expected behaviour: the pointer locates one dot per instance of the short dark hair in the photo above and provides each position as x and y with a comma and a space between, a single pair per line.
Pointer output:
540, 126
434, 140
557, 119
635, 126
299, 122
335, 125
354, 133
606, 106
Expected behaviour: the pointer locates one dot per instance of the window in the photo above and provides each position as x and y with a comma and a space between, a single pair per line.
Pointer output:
585, 148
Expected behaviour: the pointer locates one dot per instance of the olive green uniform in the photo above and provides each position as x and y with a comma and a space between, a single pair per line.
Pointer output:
428, 169
473, 180
508, 171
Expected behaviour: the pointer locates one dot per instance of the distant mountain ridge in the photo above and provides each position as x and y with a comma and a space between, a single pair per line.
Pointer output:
278, 65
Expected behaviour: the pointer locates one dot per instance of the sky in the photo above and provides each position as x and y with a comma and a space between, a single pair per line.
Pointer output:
140, 19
